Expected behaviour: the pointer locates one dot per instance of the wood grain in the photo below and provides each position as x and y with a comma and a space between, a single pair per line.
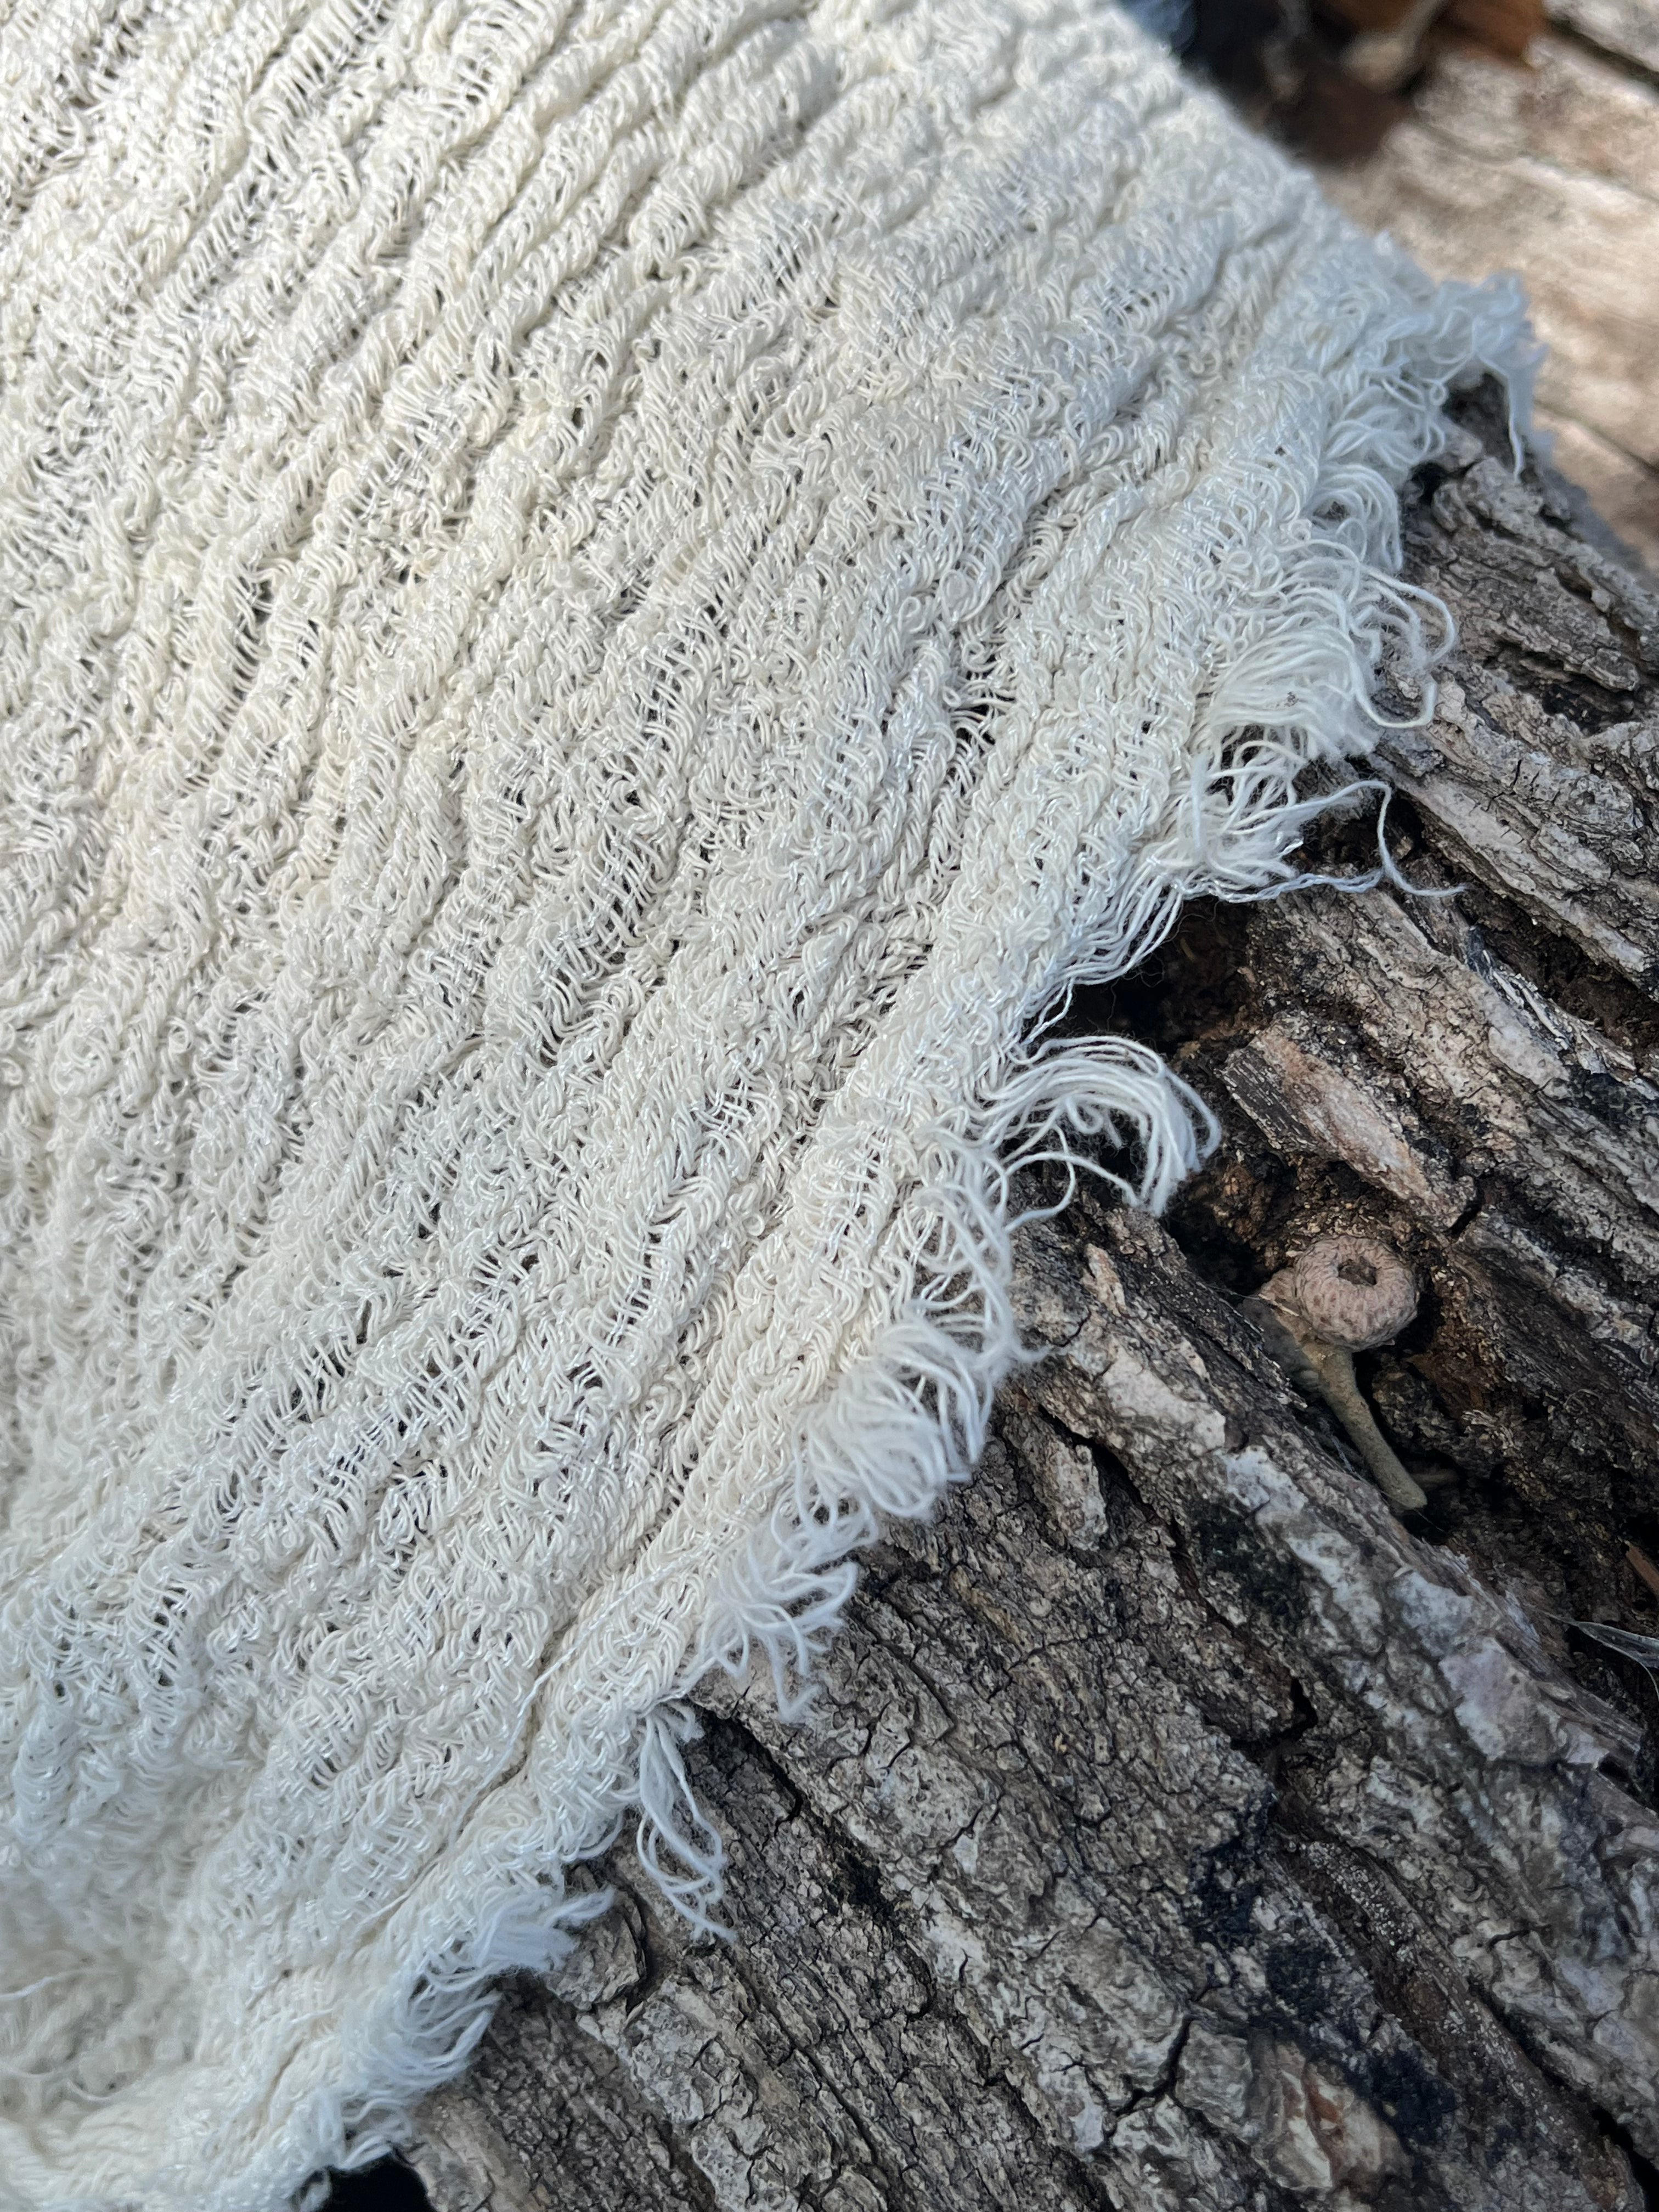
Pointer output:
1552, 170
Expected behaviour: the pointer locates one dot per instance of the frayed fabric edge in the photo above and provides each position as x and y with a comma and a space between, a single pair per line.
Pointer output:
910, 1419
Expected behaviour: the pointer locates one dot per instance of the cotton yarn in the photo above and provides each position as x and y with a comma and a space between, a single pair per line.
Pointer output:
607, 604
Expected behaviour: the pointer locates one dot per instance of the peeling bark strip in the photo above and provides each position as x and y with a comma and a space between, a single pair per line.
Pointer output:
1179, 1829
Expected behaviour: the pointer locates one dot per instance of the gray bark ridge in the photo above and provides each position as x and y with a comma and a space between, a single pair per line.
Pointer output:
1177, 1827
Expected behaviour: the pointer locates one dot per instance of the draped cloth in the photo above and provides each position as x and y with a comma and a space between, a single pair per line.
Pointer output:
604, 606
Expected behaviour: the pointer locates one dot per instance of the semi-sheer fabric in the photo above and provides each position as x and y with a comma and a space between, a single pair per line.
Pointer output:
604, 603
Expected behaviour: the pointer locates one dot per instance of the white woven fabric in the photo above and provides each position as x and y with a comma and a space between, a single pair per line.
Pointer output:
605, 602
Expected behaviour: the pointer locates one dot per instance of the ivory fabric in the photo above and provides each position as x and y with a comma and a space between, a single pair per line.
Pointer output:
606, 603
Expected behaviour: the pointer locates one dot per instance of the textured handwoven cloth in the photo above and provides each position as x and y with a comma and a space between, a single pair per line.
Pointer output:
604, 606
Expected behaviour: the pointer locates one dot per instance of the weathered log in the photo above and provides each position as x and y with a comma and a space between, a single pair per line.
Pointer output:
1179, 1828
1552, 170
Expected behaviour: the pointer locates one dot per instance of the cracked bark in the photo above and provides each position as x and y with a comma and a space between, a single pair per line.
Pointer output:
1177, 1828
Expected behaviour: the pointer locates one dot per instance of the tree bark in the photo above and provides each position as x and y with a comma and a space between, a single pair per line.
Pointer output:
1178, 1828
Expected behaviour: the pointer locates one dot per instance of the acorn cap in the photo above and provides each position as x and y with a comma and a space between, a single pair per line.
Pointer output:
1350, 1290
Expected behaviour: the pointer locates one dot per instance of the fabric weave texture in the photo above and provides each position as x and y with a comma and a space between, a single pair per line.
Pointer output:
606, 605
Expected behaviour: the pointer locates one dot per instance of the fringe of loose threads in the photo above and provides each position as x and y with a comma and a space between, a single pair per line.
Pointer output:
911, 1418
